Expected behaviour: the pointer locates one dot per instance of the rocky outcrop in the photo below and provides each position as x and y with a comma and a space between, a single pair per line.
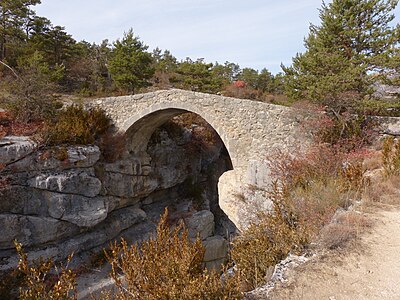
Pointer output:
68, 182
13, 148
66, 199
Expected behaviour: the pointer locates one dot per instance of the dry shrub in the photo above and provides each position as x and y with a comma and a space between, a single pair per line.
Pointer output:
391, 156
11, 126
310, 188
373, 161
384, 190
336, 235
76, 125
203, 134
345, 131
320, 163
347, 226
40, 283
318, 203
167, 266
112, 146
245, 92
265, 243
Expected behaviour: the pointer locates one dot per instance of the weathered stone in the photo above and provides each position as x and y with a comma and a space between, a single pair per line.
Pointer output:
131, 166
70, 182
79, 210
121, 185
13, 148
388, 125
22, 200
72, 157
216, 248
31, 231
117, 222
200, 223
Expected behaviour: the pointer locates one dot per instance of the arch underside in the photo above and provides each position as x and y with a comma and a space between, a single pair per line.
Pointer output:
139, 128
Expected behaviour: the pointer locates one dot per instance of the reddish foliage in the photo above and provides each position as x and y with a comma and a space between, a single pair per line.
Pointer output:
112, 146
9, 126
239, 84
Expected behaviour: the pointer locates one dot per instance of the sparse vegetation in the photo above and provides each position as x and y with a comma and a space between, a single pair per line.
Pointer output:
44, 280
391, 156
76, 125
167, 266
309, 189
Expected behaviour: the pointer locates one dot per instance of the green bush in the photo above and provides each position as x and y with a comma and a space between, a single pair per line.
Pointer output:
75, 125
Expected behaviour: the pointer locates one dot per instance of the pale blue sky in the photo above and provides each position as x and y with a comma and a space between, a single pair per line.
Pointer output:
252, 33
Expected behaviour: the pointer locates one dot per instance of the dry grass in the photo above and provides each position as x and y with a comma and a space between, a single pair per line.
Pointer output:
383, 190
346, 227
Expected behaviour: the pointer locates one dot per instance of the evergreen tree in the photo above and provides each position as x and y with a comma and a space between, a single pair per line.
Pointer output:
265, 81
227, 72
13, 16
130, 65
354, 39
250, 76
197, 76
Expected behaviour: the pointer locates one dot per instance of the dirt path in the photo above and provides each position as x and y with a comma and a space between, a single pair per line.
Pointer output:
370, 270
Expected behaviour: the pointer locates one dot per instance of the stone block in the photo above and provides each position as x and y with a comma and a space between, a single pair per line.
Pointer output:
200, 223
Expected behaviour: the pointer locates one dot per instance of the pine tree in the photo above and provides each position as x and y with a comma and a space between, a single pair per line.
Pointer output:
130, 65
354, 41
13, 16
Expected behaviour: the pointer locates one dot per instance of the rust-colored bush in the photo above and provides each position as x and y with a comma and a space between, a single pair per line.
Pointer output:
265, 243
43, 280
391, 156
167, 266
112, 146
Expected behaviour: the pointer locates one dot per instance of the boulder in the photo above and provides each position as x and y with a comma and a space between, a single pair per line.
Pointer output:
128, 186
200, 223
216, 252
216, 248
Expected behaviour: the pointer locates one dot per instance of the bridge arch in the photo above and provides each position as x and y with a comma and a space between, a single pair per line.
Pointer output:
140, 127
251, 131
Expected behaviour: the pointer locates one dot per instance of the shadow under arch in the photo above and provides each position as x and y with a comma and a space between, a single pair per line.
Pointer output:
139, 128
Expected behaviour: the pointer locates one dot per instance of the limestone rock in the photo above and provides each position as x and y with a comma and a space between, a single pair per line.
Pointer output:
58, 158
13, 148
200, 223
130, 166
79, 210
71, 182
121, 185
31, 231
388, 125
216, 248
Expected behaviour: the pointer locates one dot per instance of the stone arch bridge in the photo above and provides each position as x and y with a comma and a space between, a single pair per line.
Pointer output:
250, 130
